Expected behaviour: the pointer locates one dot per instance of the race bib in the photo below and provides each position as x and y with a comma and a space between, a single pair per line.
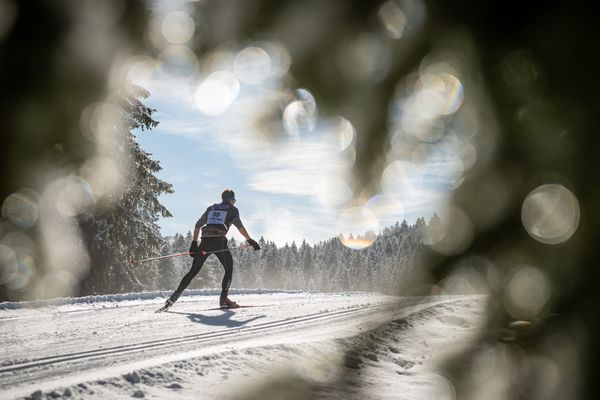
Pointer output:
216, 217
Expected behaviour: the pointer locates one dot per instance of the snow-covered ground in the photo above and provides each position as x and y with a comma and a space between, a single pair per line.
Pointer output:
288, 345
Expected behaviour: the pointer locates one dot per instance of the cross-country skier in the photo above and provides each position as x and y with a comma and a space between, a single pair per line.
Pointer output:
214, 224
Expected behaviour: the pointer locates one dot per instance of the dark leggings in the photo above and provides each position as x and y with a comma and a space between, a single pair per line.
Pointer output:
209, 245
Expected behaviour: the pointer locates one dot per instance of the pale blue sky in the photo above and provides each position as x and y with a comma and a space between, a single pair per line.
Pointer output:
294, 189
292, 178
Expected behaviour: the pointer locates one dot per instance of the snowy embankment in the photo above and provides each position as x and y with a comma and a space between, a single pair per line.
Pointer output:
307, 344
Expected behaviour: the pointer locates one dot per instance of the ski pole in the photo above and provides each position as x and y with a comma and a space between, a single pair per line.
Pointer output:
233, 248
160, 258
187, 253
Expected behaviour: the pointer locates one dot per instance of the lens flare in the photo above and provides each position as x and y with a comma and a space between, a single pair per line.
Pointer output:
21, 209
279, 57
178, 27
451, 233
527, 293
550, 214
520, 70
17, 265
24, 273
140, 69
438, 387
345, 132
398, 179
358, 228
220, 60
386, 209
469, 276
100, 123
332, 191
178, 61
8, 264
217, 93
366, 59
103, 177
74, 197
252, 65
300, 116
393, 19
423, 113
443, 90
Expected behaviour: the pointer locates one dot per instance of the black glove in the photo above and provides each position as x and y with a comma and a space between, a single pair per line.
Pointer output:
253, 243
193, 248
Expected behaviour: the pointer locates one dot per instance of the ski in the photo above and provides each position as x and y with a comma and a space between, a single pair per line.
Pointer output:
228, 308
165, 307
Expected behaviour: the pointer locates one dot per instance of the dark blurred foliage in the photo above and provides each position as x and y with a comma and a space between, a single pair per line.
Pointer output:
56, 75
48, 79
127, 229
546, 132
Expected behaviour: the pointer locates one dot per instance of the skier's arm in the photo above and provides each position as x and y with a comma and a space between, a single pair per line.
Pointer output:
238, 224
250, 241
244, 233
199, 224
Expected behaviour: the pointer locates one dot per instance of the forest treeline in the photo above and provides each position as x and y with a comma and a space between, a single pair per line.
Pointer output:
386, 266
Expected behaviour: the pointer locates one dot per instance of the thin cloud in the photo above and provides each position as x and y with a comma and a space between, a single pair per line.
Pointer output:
291, 172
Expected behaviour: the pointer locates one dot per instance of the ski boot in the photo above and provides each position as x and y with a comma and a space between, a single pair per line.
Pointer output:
167, 305
224, 302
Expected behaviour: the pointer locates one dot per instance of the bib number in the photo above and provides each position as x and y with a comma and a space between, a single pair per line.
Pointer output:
216, 217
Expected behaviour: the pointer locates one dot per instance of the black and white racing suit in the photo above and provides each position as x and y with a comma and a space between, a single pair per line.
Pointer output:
214, 224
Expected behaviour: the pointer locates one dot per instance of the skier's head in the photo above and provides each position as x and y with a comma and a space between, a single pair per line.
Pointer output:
228, 196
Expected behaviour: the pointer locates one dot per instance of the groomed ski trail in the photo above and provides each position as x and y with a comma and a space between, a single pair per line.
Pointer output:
339, 319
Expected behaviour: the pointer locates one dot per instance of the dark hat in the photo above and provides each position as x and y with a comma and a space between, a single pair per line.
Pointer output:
228, 195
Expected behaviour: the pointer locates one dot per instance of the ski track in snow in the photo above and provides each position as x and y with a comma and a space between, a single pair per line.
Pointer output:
116, 347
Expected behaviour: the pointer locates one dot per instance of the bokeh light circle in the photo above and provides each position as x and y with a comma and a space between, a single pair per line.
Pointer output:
17, 266
252, 65
438, 387
451, 233
308, 99
279, 56
178, 60
24, 273
520, 71
345, 132
393, 19
300, 116
526, 293
550, 214
217, 92
177, 27
74, 197
8, 264
443, 89
398, 179
386, 208
21, 208
140, 69
357, 228
103, 176
332, 191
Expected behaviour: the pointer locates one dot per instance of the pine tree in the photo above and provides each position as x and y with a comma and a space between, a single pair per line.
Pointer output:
128, 229
386, 266
168, 277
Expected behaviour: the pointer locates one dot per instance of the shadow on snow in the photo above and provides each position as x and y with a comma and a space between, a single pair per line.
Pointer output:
217, 320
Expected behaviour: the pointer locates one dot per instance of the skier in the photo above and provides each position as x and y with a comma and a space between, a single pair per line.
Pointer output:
214, 224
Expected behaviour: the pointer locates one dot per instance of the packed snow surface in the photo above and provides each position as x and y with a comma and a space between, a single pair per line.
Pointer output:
287, 345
